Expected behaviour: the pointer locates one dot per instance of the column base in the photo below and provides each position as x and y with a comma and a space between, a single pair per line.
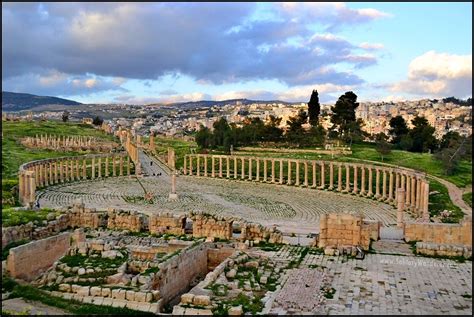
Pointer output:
369, 195
362, 193
355, 191
331, 188
173, 196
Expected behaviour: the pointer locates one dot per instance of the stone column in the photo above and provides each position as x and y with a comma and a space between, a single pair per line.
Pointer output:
93, 167
356, 189
113, 165
281, 172
331, 176
305, 173
339, 177
426, 197
242, 175
236, 167
297, 182
397, 184
314, 175
61, 171
32, 187
323, 178
348, 178
362, 181
173, 195
66, 170
205, 165
77, 169
84, 170
418, 193
120, 165
384, 184
370, 192
100, 167
289, 173
191, 165
128, 165
400, 206
106, 166
220, 166
408, 191
45, 175
198, 165
227, 163
56, 173
250, 168
390, 186
265, 170
413, 192
377, 184
51, 178
273, 170
257, 161
402, 183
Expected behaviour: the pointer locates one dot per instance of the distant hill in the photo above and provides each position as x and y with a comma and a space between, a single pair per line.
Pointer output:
12, 101
210, 103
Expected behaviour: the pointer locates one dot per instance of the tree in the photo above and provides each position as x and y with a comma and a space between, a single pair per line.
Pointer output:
314, 109
449, 158
422, 135
65, 116
295, 133
97, 121
398, 129
317, 135
220, 128
272, 130
382, 146
343, 113
203, 137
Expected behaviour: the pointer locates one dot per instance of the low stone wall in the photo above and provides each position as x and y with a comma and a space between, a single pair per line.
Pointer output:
440, 233
166, 223
176, 273
31, 232
257, 233
211, 226
217, 256
126, 220
339, 229
436, 249
87, 217
142, 301
28, 260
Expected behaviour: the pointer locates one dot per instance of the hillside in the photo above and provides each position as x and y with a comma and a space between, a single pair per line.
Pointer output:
12, 101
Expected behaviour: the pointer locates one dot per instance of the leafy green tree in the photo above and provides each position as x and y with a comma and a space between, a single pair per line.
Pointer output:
272, 131
221, 128
97, 121
203, 137
314, 108
382, 146
398, 129
422, 135
296, 132
343, 113
317, 135
65, 116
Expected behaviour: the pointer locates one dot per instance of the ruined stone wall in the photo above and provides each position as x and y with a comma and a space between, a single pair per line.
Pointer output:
257, 233
126, 220
211, 226
166, 223
176, 273
28, 260
217, 256
435, 249
87, 217
339, 229
440, 233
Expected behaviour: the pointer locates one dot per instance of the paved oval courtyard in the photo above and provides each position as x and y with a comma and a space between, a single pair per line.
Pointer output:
291, 209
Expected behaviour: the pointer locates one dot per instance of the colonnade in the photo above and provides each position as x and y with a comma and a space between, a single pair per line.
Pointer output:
371, 181
43, 173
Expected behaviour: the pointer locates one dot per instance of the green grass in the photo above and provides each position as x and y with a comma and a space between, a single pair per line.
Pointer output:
181, 148
467, 197
94, 262
11, 217
441, 201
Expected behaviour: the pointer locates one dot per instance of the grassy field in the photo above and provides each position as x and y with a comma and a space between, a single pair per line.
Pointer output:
11, 217
14, 153
180, 146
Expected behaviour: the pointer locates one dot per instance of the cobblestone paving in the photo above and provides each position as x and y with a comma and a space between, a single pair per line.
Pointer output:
387, 284
292, 209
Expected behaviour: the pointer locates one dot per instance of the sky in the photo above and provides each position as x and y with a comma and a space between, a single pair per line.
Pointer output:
138, 53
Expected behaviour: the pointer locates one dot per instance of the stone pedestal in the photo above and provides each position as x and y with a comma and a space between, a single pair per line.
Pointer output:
400, 206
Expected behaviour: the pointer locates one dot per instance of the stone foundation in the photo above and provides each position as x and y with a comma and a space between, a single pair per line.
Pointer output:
440, 233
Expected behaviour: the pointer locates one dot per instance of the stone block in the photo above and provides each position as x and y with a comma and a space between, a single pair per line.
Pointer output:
202, 300
130, 295
236, 311
105, 292
187, 298
140, 297
65, 288
96, 291
84, 291
119, 303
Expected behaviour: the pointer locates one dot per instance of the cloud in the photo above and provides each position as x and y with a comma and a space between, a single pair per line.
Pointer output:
52, 82
215, 43
438, 75
371, 46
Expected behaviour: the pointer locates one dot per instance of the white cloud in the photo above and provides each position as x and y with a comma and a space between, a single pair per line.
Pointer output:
438, 75
371, 46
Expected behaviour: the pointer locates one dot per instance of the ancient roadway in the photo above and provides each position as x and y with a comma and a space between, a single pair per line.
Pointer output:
291, 209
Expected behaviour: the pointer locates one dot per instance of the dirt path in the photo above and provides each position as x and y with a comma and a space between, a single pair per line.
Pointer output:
455, 193
22, 306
